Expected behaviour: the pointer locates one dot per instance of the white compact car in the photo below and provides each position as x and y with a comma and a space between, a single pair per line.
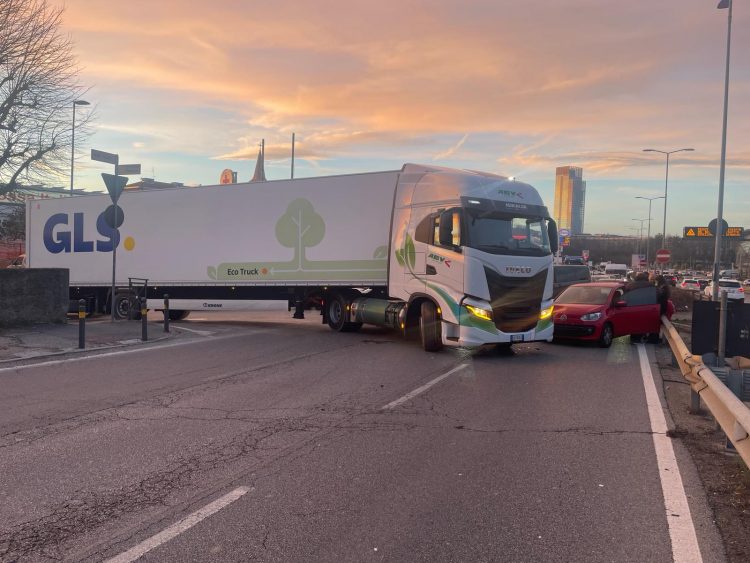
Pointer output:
733, 288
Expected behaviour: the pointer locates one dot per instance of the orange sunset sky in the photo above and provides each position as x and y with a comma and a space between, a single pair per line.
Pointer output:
187, 88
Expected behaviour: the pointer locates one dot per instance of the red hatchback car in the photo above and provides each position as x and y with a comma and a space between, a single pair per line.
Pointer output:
602, 311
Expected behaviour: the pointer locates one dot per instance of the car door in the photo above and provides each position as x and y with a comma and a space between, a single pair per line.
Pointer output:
641, 313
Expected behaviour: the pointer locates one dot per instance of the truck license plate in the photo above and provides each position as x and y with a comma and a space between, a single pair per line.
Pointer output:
516, 337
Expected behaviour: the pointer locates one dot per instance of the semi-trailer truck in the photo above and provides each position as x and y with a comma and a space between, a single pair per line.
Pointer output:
458, 258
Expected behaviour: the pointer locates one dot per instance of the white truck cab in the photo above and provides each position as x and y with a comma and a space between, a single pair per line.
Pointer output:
473, 252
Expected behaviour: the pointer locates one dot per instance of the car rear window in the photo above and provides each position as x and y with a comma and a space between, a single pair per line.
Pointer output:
729, 284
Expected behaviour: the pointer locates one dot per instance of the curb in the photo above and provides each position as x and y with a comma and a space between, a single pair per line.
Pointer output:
74, 351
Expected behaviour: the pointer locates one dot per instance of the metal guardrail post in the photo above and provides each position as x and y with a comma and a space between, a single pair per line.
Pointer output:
81, 324
144, 320
166, 312
722, 347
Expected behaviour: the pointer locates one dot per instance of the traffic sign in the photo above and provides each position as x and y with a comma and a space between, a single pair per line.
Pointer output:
713, 225
564, 232
128, 169
115, 185
108, 157
663, 255
705, 232
113, 216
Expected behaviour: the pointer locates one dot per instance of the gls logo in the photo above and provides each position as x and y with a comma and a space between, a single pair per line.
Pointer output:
58, 239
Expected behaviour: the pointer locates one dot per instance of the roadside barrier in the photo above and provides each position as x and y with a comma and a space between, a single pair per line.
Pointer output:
729, 411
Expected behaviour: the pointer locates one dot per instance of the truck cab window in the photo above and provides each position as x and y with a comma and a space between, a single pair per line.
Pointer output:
425, 229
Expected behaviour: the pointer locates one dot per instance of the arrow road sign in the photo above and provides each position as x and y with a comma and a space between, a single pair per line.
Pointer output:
115, 185
102, 156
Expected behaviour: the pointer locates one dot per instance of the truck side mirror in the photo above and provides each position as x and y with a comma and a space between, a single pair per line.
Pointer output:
446, 229
554, 239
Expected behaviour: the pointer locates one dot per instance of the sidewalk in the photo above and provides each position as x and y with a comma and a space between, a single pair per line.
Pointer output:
21, 343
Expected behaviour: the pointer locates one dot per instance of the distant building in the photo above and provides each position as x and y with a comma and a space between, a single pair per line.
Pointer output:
151, 184
570, 199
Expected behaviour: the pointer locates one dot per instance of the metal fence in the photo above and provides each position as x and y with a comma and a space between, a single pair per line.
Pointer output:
729, 411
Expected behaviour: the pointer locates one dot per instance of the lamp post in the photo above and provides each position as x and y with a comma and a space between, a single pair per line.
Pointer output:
648, 236
73, 139
666, 185
720, 215
640, 233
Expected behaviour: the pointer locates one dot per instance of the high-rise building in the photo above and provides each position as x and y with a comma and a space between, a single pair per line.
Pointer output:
570, 199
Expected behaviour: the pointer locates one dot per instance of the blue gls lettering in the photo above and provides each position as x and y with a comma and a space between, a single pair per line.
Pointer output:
62, 242
79, 244
108, 232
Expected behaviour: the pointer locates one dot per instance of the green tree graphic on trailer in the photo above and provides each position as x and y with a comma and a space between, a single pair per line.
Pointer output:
301, 228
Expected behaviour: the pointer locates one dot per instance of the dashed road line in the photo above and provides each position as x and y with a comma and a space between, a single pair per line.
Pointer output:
685, 547
136, 552
422, 389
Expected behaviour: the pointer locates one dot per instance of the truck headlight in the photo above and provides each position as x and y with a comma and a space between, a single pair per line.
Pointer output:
591, 317
546, 313
479, 312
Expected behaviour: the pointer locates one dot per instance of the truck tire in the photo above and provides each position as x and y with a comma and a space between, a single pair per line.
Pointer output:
122, 305
178, 315
336, 307
430, 327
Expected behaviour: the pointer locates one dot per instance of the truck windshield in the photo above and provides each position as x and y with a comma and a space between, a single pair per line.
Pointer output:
502, 233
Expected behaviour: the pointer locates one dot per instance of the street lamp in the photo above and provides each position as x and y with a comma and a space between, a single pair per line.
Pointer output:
640, 233
73, 139
648, 237
666, 184
720, 215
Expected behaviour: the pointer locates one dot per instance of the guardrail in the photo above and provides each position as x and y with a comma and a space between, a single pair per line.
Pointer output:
732, 414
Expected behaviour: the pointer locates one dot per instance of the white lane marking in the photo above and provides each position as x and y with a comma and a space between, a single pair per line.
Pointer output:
422, 389
681, 528
118, 353
176, 529
201, 332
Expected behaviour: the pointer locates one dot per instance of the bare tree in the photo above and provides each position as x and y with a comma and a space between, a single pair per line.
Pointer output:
38, 85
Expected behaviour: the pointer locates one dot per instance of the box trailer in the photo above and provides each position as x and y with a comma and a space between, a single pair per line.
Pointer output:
460, 258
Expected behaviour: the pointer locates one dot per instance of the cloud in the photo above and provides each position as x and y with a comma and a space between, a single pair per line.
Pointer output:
452, 150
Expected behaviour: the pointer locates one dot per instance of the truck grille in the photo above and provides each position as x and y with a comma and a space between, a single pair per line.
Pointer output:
515, 301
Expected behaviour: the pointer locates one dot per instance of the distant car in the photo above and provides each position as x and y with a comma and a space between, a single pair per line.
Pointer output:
690, 285
601, 311
746, 282
567, 275
733, 288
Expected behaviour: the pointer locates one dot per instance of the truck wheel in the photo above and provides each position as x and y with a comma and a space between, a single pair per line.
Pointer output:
178, 315
429, 327
337, 314
122, 306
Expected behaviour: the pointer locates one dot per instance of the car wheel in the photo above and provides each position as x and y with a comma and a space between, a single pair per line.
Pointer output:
606, 337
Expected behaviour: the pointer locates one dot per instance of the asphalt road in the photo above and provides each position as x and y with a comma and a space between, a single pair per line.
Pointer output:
545, 454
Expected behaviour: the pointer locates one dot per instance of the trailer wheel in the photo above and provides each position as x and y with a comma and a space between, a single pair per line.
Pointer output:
430, 327
178, 315
337, 313
122, 306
